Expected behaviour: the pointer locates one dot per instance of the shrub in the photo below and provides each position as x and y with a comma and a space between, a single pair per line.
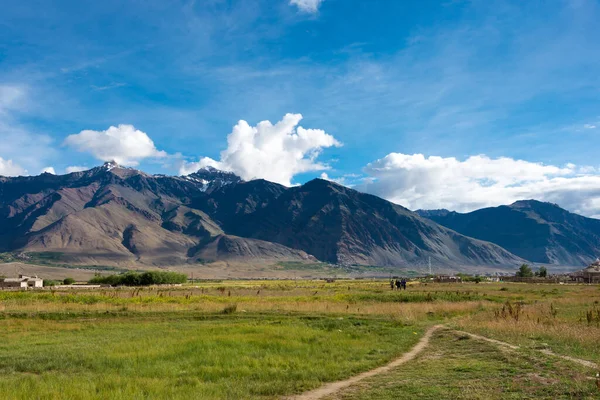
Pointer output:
50, 283
68, 281
144, 279
230, 309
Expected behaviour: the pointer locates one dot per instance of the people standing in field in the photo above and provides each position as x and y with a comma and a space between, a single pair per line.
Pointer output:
403, 283
392, 284
398, 284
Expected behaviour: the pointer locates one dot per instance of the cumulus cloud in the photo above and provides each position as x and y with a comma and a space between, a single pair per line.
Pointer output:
272, 152
49, 170
9, 168
123, 144
416, 181
75, 168
308, 6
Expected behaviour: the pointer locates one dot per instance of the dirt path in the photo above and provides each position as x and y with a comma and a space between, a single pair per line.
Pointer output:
487, 339
334, 387
331, 388
585, 363
579, 361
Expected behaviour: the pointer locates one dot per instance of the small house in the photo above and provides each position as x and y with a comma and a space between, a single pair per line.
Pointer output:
447, 279
22, 282
590, 274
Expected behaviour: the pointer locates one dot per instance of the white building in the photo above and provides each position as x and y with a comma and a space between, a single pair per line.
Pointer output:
22, 282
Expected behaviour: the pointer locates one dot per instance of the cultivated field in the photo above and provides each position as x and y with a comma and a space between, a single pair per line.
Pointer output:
276, 339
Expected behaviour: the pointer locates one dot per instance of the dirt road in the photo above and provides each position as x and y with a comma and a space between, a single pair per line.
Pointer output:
334, 387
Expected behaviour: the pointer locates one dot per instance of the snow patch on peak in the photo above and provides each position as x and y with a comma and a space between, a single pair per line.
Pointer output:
110, 165
210, 178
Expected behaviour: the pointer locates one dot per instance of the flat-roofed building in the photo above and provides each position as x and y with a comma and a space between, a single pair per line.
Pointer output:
22, 281
590, 274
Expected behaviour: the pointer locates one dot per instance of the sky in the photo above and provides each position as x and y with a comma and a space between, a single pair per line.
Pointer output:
430, 104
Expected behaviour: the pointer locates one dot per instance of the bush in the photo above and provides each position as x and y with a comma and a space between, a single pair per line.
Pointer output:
230, 309
50, 283
68, 281
542, 272
144, 279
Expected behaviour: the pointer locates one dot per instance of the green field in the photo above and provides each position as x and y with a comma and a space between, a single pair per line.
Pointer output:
456, 366
271, 339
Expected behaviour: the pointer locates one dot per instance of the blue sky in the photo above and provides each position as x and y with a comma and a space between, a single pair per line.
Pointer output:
514, 83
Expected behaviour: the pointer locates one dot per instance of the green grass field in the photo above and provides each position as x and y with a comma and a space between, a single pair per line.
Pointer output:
188, 356
458, 367
271, 339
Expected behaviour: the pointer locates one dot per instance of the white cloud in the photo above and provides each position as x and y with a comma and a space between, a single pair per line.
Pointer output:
309, 6
589, 126
123, 144
273, 152
416, 181
9, 168
75, 168
49, 170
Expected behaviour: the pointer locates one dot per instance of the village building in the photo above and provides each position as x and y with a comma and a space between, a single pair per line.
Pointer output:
22, 282
590, 274
447, 279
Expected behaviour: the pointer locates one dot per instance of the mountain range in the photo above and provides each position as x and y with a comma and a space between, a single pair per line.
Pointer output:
536, 231
117, 215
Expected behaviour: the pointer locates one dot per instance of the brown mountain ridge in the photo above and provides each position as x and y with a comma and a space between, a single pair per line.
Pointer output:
111, 214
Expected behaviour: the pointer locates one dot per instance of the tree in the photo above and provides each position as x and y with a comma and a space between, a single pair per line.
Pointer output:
132, 278
542, 272
524, 271
69, 281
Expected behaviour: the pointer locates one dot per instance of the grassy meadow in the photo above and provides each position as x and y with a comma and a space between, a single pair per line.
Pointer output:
456, 366
271, 339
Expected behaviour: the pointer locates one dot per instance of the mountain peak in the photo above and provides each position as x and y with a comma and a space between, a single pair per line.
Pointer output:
210, 168
115, 168
532, 203
319, 182
110, 165
211, 173
211, 178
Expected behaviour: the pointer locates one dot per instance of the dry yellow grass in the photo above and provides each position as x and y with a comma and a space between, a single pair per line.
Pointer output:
560, 321
552, 315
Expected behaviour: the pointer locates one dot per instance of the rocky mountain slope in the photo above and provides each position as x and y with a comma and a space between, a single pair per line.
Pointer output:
112, 214
537, 231
340, 225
